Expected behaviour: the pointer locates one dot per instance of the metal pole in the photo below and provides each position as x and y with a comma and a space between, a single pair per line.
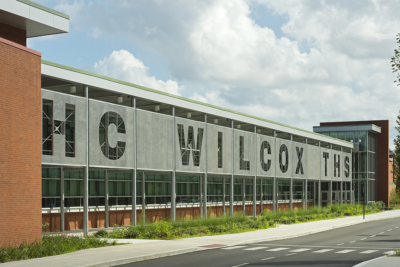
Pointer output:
106, 207
255, 176
330, 182
134, 171
143, 198
201, 196
341, 182
275, 197
291, 184
351, 178
306, 187
319, 181
244, 195
261, 195
205, 175
86, 169
173, 178
62, 211
223, 195
233, 172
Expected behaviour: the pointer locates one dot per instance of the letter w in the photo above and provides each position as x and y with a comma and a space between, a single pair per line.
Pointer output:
185, 150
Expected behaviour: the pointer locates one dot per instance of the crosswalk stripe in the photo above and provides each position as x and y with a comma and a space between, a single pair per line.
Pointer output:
368, 251
235, 247
345, 251
322, 251
300, 250
277, 249
255, 248
389, 252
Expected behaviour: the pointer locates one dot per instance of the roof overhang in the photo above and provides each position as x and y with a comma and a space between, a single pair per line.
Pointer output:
347, 128
36, 19
98, 81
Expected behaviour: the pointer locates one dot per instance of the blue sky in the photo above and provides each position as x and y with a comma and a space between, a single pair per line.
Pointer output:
294, 62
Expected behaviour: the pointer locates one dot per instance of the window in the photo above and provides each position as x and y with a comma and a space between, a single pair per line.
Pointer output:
158, 189
333, 134
120, 188
297, 188
73, 188
215, 189
362, 141
237, 189
310, 191
47, 127
96, 188
187, 189
267, 186
342, 135
51, 190
283, 189
350, 137
248, 189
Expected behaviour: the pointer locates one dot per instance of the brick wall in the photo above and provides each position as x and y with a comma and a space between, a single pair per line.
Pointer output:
13, 34
20, 146
382, 155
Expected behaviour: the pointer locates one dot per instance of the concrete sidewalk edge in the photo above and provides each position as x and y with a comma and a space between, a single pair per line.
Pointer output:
183, 251
366, 262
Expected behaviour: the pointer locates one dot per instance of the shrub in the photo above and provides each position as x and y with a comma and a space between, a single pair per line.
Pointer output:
101, 233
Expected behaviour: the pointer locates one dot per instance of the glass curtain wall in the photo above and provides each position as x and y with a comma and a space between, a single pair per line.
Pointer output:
120, 188
297, 190
97, 188
51, 191
73, 188
283, 190
215, 189
187, 189
158, 189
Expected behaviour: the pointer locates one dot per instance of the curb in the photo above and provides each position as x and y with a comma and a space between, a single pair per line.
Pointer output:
366, 262
183, 251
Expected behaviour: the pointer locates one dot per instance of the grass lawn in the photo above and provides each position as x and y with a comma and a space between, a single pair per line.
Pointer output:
236, 224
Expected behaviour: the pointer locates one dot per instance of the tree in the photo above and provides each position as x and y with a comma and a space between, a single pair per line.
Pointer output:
396, 61
396, 153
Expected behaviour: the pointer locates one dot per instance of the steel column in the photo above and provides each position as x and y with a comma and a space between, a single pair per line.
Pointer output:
223, 196
134, 171
205, 174
173, 178
255, 176
106, 206
62, 211
341, 182
143, 198
233, 170
86, 170
291, 184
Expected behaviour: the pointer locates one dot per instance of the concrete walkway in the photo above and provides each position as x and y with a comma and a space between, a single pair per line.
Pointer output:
381, 261
140, 250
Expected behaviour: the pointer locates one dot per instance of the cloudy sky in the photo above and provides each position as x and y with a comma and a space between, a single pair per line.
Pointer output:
295, 62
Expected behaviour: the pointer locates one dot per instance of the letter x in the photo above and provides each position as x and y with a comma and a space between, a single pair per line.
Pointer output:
299, 164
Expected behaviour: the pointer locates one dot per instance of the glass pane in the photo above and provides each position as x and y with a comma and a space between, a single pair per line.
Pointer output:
342, 135
350, 137
333, 134
362, 140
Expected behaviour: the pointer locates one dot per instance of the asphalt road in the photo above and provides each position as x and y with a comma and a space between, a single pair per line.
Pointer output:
345, 246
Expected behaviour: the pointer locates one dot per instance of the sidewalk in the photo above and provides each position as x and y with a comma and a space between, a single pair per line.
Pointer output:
140, 250
381, 261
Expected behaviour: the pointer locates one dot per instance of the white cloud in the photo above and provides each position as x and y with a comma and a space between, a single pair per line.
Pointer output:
226, 58
124, 66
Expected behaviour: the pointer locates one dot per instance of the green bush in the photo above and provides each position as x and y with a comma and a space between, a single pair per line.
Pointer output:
49, 246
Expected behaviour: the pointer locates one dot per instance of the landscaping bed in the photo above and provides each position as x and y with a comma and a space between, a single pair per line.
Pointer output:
50, 246
236, 224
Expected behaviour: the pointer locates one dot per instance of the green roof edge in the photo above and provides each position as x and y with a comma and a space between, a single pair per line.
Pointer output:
350, 125
52, 11
178, 97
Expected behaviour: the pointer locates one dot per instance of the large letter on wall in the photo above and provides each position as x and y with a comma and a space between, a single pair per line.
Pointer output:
283, 166
111, 123
244, 164
336, 165
265, 147
326, 157
299, 168
346, 166
185, 150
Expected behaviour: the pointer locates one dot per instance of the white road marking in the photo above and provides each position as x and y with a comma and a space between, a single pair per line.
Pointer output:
372, 235
345, 251
235, 247
389, 230
277, 249
362, 238
368, 251
290, 254
268, 258
322, 251
390, 252
240, 265
340, 244
396, 227
255, 248
300, 250
382, 233
352, 241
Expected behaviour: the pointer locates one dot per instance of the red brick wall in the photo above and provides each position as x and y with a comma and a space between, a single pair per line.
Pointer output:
13, 34
20, 146
382, 155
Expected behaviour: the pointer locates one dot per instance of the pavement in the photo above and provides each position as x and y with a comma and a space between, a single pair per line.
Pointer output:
139, 250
